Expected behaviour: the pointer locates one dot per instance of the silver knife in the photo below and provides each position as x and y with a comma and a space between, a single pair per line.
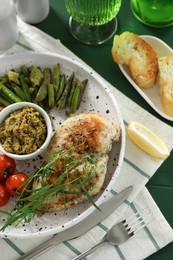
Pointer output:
83, 226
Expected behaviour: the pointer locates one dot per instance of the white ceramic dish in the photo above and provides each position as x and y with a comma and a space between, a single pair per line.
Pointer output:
16, 106
98, 99
151, 95
8, 25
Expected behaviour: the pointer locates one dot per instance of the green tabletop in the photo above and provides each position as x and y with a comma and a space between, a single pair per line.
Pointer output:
99, 58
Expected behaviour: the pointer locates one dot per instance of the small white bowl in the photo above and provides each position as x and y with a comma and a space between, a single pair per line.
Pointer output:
16, 106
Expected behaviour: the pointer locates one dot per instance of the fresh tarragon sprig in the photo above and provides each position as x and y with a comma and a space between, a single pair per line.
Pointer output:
27, 206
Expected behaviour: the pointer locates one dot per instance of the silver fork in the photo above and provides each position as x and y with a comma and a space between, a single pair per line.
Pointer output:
121, 232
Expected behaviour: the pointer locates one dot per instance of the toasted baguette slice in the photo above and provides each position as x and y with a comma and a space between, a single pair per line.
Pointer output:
167, 99
128, 48
165, 74
165, 82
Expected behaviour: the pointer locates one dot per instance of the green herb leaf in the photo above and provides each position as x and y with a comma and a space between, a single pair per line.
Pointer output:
67, 172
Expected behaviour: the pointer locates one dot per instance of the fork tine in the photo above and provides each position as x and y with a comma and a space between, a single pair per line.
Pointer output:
136, 222
144, 224
134, 219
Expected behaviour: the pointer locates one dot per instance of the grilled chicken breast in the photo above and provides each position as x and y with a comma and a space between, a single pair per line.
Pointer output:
84, 140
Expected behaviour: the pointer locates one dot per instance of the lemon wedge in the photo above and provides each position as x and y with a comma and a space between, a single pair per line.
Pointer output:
147, 140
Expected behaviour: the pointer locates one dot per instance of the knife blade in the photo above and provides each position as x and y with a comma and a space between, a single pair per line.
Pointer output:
83, 226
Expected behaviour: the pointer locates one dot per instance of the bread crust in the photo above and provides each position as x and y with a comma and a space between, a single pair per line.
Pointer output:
165, 73
167, 99
128, 48
165, 82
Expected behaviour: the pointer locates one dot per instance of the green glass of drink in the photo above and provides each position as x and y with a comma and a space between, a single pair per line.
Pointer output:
93, 21
155, 13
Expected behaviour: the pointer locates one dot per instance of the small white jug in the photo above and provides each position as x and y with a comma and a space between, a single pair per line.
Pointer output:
32, 11
9, 31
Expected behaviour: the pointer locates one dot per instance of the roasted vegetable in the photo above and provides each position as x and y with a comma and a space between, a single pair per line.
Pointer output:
43, 90
25, 87
56, 78
47, 88
61, 87
64, 98
9, 93
13, 76
36, 76
51, 96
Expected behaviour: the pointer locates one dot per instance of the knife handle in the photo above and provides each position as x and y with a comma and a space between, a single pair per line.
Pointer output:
37, 251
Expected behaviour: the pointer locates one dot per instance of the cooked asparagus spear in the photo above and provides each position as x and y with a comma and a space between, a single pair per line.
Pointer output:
43, 90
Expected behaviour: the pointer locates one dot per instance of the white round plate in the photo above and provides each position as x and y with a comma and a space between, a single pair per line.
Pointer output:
97, 99
151, 95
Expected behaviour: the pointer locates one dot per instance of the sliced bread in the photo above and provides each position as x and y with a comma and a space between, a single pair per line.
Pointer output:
167, 99
165, 74
165, 82
128, 48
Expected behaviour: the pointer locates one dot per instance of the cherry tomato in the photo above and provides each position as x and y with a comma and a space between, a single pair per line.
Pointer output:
14, 183
7, 166
4, 195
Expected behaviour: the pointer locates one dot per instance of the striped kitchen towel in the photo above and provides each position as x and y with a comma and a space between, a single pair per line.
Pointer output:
137, 169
